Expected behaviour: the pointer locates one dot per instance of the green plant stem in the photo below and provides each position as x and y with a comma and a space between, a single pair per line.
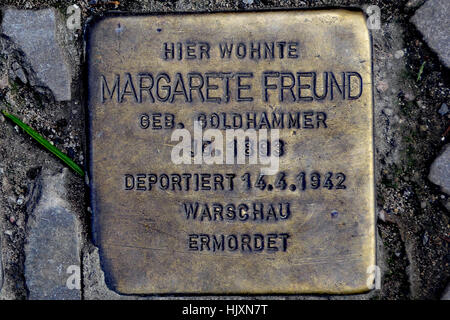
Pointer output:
46, 144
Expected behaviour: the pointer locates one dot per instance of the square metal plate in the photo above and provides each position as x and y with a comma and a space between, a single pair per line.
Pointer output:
164, 227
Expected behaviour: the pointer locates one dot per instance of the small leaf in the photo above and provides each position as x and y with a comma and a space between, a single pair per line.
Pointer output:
419, 75
46, 144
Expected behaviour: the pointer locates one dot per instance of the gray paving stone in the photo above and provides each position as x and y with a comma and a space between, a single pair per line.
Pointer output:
443, 110
433, 21
440, 170
52, 244
35, 33
1, 268
446, 294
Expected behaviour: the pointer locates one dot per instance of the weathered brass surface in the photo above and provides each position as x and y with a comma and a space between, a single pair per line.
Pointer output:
318, 236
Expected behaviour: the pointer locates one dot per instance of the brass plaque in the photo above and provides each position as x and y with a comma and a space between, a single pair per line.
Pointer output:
177, 101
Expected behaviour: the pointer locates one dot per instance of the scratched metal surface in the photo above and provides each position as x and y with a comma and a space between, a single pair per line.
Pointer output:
144, 235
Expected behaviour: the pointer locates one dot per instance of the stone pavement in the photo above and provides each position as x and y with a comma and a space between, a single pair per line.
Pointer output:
34, 32
52, 251
433, 21
46, 251
440, 170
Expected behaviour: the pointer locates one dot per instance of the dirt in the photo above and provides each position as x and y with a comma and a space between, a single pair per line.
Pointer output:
413, 223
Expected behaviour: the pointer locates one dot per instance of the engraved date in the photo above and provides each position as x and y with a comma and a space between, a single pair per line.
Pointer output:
303, 181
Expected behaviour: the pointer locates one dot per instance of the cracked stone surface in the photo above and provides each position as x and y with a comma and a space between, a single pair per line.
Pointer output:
440, 170
53, 244
94, 278
433, 21
35, 33
410, 125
